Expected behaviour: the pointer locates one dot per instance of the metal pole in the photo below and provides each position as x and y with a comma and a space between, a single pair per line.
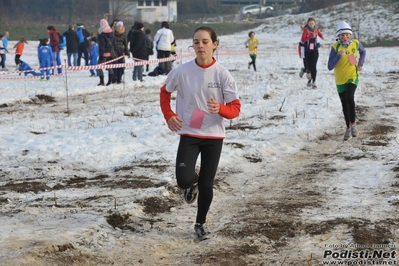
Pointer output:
66, 86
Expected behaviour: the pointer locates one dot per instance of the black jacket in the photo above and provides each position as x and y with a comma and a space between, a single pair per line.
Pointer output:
72, 41
121, 42
103, 45
138, 44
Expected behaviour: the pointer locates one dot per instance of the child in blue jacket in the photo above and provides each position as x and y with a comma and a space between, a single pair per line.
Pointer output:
45, 55
94, 56
24, 67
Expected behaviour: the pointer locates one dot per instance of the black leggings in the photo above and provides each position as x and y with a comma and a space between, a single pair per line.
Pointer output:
187, 155
348, 103
253, 62
311, 58
17, 59
3, 60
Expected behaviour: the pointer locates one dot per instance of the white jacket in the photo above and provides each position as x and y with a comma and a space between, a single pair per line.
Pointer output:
2, 50
165, 37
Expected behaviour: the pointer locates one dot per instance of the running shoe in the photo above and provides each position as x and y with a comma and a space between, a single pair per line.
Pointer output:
201, 231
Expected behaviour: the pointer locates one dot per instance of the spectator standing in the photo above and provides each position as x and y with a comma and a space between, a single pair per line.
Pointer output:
2, 54
121, 48
72, 40
105, 39
83, 35
5, 50
129, 34
163, 39
19, 49
45, 56
138, 48
93, 56
5, 40
150, 46
54, 41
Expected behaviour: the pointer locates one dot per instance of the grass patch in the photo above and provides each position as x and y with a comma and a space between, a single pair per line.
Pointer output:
117, 219
180, 30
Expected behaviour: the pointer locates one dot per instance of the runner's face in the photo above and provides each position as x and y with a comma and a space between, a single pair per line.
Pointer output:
345, 37
203, 45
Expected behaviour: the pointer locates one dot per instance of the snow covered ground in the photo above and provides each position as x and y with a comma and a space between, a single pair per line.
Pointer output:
88, 179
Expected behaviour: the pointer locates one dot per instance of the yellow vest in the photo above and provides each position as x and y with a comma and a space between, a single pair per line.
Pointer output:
344, 71
252, 46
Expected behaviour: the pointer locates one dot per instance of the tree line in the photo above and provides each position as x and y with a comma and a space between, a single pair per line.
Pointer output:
28, 12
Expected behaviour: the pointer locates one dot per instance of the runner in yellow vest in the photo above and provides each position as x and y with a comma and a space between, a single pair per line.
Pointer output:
252, 45
347, 57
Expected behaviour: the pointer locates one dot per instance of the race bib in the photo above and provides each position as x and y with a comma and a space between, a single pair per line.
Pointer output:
197, 119
352, 59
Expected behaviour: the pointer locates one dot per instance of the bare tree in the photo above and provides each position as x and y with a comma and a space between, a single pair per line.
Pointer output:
119, 9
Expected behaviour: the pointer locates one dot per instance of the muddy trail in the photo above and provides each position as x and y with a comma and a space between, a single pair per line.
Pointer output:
286, 211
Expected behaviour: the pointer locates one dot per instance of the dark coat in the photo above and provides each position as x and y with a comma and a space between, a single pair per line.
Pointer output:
138, 44
54, 40
72, 41
103, 45
121, 42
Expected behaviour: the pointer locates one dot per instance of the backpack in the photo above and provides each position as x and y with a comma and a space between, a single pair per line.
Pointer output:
62, 42
80, 35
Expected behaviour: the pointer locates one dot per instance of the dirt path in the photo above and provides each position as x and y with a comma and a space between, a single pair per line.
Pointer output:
286, 211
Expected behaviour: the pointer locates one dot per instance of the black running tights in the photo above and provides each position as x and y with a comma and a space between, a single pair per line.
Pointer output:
253, 61
348, 103
311, 58
187, 155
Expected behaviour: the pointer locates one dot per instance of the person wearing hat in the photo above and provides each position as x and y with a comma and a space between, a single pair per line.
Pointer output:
310, 44
138, 48
121, 48
346, 63
83, 46
105, 41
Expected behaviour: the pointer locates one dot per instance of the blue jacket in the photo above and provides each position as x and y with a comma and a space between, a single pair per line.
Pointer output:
44, 53
5, 43
94, 51
25, 67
